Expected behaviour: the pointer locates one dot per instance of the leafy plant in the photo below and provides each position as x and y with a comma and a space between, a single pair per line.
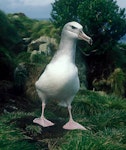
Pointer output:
22, 24
22, 57
106, 31
44, 28
8, 34
33, 130
117, 81
38, 58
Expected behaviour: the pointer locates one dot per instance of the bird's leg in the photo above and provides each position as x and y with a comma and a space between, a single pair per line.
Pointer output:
71, 124
43, 108
42, 120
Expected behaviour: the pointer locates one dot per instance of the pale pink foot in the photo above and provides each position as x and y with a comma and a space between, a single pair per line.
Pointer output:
43, 122
72, 125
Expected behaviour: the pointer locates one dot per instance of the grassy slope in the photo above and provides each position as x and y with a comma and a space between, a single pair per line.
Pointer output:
104, 116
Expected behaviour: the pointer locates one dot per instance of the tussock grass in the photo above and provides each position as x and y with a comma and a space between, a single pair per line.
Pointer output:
89, 141
103, 116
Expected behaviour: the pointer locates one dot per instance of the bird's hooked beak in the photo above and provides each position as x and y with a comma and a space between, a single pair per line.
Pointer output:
83, 36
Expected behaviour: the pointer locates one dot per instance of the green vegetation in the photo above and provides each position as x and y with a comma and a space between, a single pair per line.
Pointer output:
8, 34
44, 28
13, 28
22, 24
115, 83
103, 116
105, 22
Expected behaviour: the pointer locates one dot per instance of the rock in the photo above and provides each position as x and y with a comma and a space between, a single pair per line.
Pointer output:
34, 45
20, 14
26, 40
10, 108
20, 76
32, 56
45, 48
34, 73
44, 44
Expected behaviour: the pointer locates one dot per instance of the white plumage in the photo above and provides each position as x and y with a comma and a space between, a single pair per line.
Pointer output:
60, 80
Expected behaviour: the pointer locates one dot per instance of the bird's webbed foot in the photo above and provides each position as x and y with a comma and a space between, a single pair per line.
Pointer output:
72, 125
43, 122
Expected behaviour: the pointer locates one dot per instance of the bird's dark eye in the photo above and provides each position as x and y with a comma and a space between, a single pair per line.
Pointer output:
73, 27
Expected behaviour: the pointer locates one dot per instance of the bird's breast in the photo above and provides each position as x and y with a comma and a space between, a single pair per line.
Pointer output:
59, 79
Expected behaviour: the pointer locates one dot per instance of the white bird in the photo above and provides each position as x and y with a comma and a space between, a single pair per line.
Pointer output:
60, 80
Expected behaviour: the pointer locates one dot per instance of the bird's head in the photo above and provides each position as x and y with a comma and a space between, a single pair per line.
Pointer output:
75, 30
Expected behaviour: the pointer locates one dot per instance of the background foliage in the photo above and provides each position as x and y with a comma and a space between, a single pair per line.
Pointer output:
105, 22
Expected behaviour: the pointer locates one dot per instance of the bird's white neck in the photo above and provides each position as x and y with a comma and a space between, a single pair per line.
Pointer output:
67, 47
